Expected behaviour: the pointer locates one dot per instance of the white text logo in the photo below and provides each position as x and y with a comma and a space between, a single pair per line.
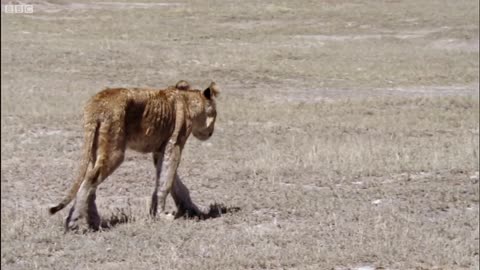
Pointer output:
19, 9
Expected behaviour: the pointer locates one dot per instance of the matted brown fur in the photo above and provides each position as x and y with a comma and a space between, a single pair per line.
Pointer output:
145, 120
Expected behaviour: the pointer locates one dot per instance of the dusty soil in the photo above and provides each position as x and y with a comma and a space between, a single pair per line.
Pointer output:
347, 133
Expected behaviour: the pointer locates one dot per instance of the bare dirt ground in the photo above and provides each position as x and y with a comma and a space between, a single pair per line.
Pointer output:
347, 133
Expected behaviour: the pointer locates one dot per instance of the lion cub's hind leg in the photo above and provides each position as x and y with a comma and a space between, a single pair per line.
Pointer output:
79, 209
110, 154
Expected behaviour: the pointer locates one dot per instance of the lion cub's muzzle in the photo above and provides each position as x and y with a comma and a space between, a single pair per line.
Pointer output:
203, 136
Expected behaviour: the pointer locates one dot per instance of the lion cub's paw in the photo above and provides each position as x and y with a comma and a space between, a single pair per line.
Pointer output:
167, 216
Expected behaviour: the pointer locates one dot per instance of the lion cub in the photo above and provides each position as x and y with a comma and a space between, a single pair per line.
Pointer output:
147, 121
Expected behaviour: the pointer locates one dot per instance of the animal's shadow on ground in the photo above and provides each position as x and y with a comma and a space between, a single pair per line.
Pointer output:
120, 217
215, 211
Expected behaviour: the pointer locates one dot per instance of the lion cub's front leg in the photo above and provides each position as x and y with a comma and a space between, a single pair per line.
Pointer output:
166, 167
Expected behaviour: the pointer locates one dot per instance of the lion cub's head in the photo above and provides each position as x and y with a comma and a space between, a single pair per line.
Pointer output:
204, 112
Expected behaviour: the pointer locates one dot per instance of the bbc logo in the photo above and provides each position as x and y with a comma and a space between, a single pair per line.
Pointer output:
19, 9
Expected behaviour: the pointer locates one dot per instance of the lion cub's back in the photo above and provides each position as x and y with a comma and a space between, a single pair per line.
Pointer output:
107, 104
145, 117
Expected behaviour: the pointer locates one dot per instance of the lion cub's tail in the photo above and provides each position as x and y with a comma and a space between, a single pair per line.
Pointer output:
90, 141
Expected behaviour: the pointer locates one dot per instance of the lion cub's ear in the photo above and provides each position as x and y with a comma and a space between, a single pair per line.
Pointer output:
182, 85
211, 91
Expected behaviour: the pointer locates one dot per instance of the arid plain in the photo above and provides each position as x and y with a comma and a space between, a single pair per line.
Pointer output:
347, 134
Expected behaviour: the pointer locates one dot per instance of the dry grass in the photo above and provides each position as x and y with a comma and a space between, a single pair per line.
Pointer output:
347, 133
